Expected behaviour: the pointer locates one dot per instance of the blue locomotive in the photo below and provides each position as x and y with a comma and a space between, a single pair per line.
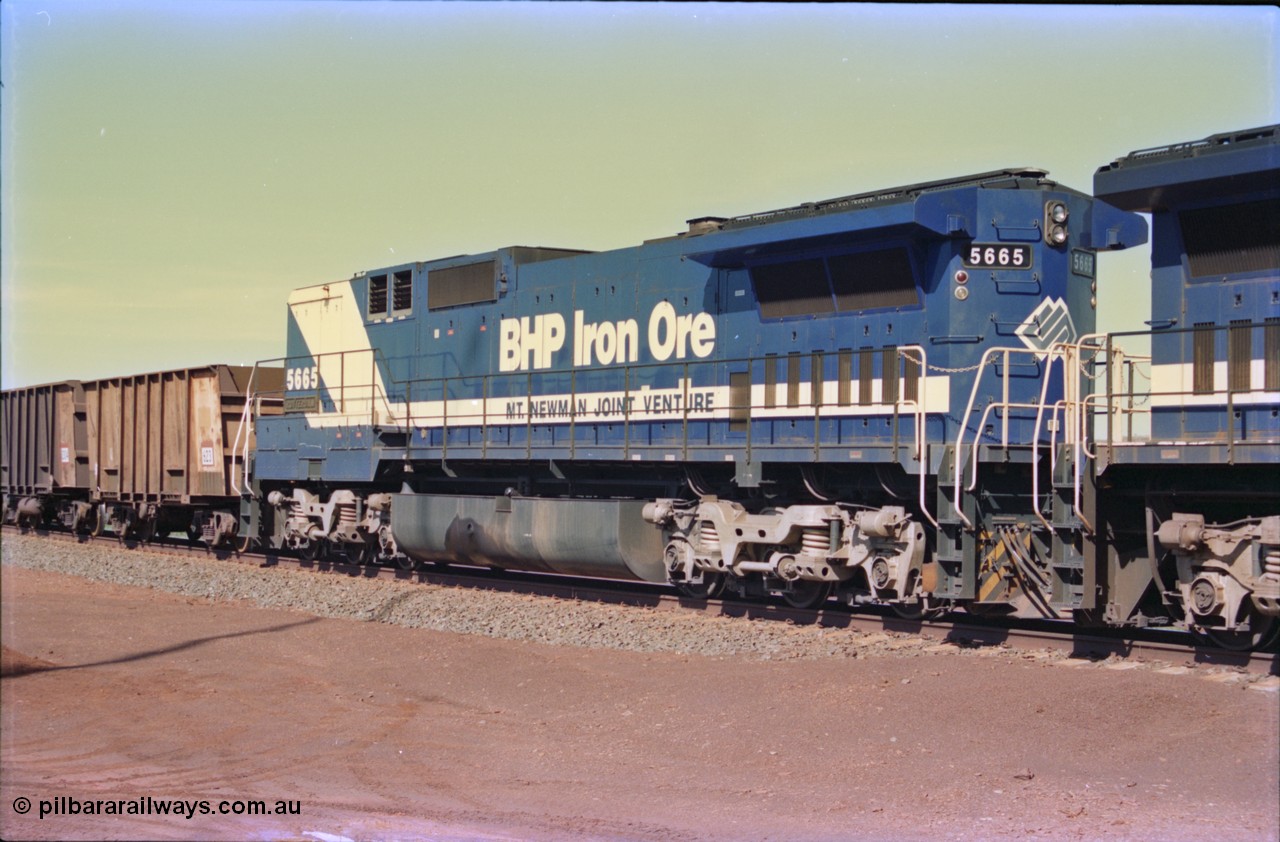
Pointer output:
835, 397
1201, 486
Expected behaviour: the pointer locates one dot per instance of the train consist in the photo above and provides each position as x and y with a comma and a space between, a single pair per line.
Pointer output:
896, 398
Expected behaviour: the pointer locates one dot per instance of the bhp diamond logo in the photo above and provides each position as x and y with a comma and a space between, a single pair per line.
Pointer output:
1048, 324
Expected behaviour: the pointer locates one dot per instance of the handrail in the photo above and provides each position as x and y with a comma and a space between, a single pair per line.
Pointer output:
1058, 350
922, 397
973, 476
235, 444
377, 393
987, 357
1220, 397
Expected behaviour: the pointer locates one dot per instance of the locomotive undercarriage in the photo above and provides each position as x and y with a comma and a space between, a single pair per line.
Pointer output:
1207, 561
1081, 551
802, 552
345, 524
1228, 576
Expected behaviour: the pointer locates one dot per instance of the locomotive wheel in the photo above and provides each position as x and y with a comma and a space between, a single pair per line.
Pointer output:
806, 594
711, 587
368, 554
922, 609
312, 550
1263, 634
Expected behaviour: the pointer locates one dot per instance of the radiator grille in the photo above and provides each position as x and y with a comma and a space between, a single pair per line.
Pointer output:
1232, 239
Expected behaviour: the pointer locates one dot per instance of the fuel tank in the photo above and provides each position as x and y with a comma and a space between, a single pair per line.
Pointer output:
599, 538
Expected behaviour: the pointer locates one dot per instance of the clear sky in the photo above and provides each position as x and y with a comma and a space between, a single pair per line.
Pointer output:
172, 170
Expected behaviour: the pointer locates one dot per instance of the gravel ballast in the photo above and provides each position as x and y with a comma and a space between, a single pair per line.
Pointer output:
539, 619
499, 614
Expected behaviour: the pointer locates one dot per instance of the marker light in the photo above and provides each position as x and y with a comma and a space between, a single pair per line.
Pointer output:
1055, 222
962, 293
962, 277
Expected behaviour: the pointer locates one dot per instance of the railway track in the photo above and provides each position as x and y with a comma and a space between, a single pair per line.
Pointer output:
956, 628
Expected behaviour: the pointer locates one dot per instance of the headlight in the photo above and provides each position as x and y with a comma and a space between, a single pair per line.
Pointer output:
1055, 222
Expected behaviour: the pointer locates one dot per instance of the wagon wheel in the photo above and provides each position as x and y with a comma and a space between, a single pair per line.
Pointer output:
243, 544
92, 524
99, 521
145, 532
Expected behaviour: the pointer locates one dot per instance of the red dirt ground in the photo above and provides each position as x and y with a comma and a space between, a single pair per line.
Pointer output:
379, 732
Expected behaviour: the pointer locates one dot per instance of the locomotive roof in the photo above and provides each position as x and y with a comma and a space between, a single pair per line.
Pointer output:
995, 179
1006, 178
934, 208
1163, 176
